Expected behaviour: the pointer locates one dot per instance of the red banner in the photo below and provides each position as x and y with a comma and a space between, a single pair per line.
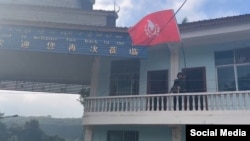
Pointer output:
155, 28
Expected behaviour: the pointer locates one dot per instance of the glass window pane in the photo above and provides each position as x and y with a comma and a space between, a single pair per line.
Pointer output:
242, 55
131, 136
243, 73
124, 84
224, 57
226, 79
157, 82
123, 136
115, 136
124, 78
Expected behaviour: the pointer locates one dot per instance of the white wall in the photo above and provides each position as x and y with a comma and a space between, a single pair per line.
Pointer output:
203, 56
158, 59
146, 133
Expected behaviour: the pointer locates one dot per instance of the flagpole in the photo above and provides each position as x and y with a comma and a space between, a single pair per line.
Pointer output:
184, 56
177, 11
183, 52
182, 47
171, 18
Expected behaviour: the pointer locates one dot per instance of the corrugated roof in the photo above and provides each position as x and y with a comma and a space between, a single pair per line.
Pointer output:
215, 22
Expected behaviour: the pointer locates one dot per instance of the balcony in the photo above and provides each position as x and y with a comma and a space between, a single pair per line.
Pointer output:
184, 108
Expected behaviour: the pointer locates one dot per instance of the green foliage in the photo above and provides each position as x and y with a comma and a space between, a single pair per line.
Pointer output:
83, 94
185, 20
68, 128
1, 114
3, 132
30, 131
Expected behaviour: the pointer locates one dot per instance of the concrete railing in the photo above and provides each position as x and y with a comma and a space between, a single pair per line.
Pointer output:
210, 101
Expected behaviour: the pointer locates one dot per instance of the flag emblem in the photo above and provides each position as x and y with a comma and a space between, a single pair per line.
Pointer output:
151, 29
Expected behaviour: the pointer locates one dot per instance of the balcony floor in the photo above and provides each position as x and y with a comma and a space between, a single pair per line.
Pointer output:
169, 117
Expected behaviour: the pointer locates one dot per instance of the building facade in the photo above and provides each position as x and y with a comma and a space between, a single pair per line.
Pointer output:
131, 99
61, 47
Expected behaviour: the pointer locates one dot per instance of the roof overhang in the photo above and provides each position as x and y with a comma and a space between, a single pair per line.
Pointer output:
45, 67
218, 33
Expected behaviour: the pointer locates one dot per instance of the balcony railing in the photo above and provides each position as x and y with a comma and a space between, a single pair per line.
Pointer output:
209, 101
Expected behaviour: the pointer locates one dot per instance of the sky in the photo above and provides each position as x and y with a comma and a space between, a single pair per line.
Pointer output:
129, 12
40, 104
194, 10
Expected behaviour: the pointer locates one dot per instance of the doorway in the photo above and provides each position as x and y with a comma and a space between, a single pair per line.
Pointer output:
196, 82
157, 83
196, 79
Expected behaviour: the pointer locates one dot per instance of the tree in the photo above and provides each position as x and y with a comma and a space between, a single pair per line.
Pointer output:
1, 115
185, 20
15, 132
83, 94
3, 129
32, 131
3, 132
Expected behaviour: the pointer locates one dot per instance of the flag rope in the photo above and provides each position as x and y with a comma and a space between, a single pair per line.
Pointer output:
177, 11
169, 19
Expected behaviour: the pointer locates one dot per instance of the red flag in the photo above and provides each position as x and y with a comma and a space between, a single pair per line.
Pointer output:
155, 28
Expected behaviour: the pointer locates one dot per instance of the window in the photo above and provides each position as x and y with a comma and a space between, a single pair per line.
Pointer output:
224, 57
122, 136
243, 77
233, 69
242, 55
226, 79
157, 82
195, 79
124, 77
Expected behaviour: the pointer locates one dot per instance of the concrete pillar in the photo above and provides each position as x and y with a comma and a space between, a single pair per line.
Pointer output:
88, 130
174, 61
88, 133
95, 76
176, 133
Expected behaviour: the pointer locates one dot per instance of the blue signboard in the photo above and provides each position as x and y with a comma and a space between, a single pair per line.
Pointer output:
69, 41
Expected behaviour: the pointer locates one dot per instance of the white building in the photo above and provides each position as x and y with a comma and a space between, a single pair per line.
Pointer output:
129, 99
67, 46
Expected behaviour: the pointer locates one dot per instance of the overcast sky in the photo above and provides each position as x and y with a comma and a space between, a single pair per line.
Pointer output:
130, 11
40, 104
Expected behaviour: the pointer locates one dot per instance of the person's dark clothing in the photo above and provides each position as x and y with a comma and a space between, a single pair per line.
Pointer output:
178, 87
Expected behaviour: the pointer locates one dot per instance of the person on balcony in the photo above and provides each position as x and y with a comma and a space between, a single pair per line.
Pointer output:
179, 84
179, 87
